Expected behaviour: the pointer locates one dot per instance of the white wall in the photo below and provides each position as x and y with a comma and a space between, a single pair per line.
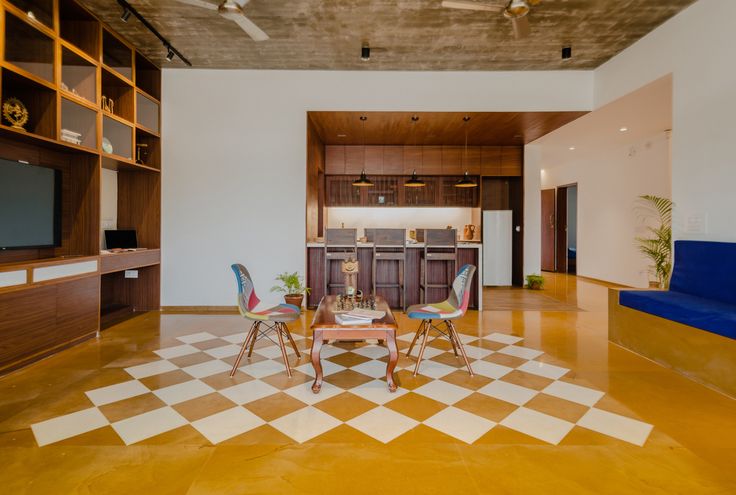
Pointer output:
610, 180
696, 46
532, 209
572, 217
234, 157
403, 218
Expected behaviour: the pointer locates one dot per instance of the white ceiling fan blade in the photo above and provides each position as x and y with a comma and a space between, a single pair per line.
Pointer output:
467, 5
521, 27
248, 26
200, 3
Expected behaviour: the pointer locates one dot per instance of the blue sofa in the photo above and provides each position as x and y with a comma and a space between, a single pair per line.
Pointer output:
701, 293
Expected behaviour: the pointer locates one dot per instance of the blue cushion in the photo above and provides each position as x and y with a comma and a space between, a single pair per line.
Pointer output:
705, 269
706, 314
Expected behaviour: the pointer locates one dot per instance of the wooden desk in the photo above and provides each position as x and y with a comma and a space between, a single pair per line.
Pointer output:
325, 328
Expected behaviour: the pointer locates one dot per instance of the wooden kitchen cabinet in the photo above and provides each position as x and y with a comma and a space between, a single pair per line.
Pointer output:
490, 160
374, 160
412, 159
452, 160
511, 161
432, 160
340, 191
393, 160
354, 160
334, 160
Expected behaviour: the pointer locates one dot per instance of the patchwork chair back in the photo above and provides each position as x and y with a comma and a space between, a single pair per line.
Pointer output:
452, 308
272, 319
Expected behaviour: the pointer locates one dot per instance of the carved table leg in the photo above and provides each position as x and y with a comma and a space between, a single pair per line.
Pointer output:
316, 348
393, 357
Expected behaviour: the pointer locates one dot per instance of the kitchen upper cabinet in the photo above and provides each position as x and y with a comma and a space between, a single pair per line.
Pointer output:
340, 191
412, 159
511, 161
374, 160
393, 160
431, 160
452, 160
385, 191
490, 160
459, 196
334, 160
422, 196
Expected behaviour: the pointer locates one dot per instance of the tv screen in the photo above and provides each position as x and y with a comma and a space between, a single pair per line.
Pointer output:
30, 206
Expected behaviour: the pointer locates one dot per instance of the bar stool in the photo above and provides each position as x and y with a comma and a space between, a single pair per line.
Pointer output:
340, 245
389, 245
440, 246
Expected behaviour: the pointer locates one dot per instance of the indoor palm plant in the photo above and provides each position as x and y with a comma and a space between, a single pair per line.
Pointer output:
657, 247
292, 285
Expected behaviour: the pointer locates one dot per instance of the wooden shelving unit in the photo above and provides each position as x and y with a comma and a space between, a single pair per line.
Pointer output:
60, 60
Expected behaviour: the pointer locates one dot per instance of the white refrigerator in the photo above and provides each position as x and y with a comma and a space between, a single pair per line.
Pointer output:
497, 247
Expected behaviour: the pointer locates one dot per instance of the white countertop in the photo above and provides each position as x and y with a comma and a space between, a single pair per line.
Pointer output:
460, 244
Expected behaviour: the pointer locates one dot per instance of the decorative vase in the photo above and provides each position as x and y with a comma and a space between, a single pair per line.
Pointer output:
294, 299
654, 284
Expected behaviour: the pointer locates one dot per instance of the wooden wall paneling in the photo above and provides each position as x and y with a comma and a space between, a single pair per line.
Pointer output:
452, 160
393, 160
496, 193
490, 160
516, 204
315, 165
354, 160
365, 267
374, 160
315, 275
469, 256
511, 161
432, 160
334, 160
471, 160
412, 160
411, 280
139, 205
122, 261
85, 195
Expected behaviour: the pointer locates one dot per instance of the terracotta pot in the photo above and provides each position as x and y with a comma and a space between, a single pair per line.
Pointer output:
295, 299
535, 286
653, 284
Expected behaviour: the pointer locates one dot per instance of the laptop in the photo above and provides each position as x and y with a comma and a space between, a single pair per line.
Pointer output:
121, 239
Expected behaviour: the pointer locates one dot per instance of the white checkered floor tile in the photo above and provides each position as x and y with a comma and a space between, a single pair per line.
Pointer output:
188, 385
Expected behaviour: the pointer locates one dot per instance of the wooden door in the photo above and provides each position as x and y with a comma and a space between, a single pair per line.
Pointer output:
548, 230
561, 230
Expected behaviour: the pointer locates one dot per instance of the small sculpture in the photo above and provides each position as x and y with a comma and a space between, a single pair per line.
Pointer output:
16, 113
350, 269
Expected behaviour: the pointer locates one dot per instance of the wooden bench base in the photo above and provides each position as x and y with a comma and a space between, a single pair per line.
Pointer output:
703, 356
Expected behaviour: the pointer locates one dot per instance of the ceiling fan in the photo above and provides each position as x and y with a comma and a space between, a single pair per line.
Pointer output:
514, 10
230, 9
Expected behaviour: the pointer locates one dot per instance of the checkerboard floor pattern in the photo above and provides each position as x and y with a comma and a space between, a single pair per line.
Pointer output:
187, 386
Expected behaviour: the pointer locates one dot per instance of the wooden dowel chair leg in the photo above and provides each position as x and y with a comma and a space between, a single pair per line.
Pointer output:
283, 348
460, 345
255, 337
291, 339
242, 349
421, 349
420, 330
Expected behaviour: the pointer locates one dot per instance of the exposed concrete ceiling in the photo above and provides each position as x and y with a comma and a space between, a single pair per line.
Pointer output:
409, 34
644, 113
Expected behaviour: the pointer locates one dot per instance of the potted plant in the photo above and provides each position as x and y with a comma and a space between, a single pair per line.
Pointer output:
534, 281
658, 246
292, 285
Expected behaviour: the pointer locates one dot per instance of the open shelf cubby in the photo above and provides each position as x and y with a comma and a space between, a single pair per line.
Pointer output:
148, 149
120, 137
147, 112
78, 76
117, 55
39, 100
39, 10
121, 93
81, 120
28, 48
147, 76
79, 27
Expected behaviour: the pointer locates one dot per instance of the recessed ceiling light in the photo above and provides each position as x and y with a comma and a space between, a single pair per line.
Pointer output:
342, 135
572, 148
624, 129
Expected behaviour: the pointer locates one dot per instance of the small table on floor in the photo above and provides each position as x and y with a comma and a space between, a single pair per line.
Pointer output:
325, 328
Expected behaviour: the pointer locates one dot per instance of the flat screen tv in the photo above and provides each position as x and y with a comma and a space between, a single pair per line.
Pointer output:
30, 206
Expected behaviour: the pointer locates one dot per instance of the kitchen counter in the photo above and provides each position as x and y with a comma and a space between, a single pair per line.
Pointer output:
460, 244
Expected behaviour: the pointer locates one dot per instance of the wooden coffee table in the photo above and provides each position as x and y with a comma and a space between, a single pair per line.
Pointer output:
325, 328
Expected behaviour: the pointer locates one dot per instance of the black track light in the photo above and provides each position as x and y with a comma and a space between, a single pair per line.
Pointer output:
566, 52
365, 52
169, 54
125, 15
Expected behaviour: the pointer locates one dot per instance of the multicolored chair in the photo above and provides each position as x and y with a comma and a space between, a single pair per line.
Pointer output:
451, 309
274, 318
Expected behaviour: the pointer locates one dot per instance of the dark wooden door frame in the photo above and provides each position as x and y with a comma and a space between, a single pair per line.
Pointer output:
561, 230
548, 229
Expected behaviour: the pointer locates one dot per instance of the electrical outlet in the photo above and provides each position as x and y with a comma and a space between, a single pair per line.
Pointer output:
131, 273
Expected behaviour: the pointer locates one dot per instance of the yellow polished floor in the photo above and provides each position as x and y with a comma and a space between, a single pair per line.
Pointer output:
690, 449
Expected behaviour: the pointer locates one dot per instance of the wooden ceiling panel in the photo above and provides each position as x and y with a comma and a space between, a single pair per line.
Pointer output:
435, 128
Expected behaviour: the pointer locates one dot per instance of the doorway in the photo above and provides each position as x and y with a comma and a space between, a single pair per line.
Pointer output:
559, 229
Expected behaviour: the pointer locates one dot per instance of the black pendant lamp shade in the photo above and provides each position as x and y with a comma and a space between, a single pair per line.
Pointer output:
414, 181
466, 181
364, 181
